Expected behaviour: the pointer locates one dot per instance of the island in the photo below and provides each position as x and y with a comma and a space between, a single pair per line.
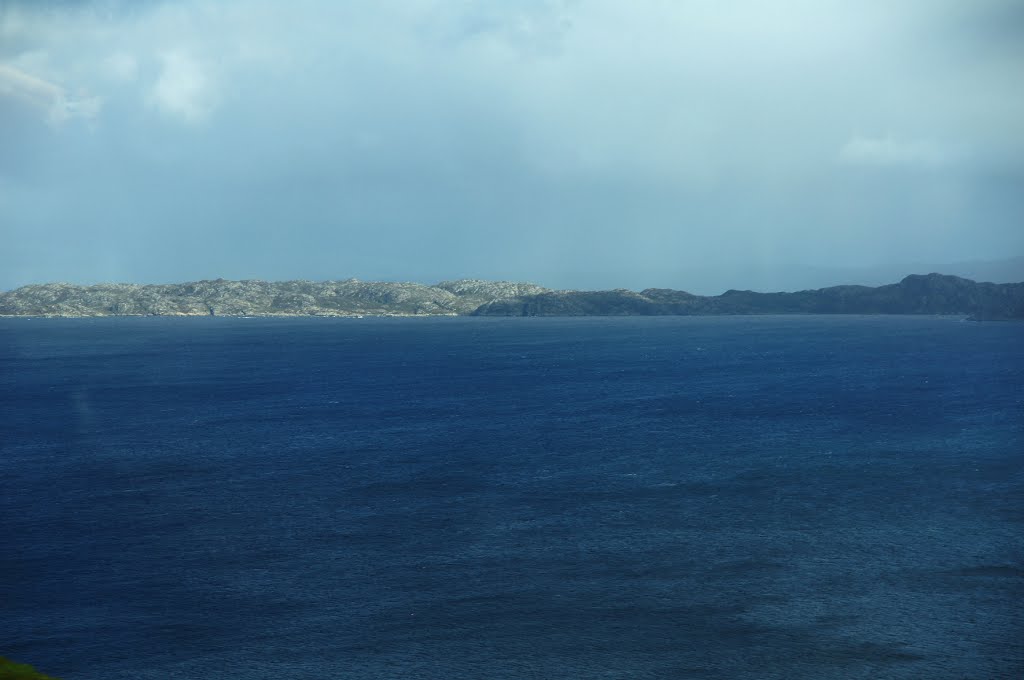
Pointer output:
915, 294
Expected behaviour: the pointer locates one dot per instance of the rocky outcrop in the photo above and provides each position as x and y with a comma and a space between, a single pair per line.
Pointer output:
258, 298
474, 292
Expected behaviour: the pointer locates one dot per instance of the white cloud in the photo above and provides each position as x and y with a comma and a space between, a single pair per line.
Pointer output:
184, 88
33, 90
47, 98
888, 151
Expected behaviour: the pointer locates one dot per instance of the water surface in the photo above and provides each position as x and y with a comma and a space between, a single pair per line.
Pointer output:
724, 497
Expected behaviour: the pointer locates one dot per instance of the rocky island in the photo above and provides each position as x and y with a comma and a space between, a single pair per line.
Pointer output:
915, 294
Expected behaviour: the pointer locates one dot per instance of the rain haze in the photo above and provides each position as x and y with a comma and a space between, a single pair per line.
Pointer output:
592, 144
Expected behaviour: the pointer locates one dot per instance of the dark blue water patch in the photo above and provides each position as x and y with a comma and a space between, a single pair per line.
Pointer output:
775, 497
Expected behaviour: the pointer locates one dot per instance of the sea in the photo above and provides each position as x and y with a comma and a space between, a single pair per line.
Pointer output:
507, 498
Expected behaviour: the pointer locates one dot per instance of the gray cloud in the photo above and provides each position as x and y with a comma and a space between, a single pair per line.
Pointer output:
589, 143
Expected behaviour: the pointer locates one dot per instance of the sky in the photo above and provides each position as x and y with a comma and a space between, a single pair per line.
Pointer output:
693, 144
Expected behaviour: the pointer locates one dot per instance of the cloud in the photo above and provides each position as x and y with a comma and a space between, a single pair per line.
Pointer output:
183, 89
527, 138
48, 99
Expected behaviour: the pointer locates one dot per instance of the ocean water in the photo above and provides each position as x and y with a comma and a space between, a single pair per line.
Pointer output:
728, 498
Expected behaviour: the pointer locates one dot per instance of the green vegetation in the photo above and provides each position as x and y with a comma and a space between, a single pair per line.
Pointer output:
20, 671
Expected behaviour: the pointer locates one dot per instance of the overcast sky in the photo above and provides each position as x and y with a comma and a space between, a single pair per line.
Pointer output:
590, 143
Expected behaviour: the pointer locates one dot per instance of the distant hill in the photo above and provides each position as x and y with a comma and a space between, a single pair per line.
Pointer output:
260, 298
770, 276
1009, 270
915, 294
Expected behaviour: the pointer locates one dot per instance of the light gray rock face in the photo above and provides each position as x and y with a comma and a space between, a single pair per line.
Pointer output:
490, 290
259, 298
472, 293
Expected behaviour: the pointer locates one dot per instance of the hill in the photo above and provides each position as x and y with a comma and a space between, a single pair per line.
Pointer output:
260, 298
915, 294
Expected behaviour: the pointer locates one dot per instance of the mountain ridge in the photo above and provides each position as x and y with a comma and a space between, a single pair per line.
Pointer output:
915, 294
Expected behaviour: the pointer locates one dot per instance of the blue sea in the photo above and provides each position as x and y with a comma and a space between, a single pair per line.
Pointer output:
722, 497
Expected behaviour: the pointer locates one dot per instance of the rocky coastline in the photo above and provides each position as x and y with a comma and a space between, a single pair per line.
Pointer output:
915, 294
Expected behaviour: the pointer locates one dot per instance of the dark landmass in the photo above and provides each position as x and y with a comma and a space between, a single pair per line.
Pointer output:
1007, 270
915, 294
771, 275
